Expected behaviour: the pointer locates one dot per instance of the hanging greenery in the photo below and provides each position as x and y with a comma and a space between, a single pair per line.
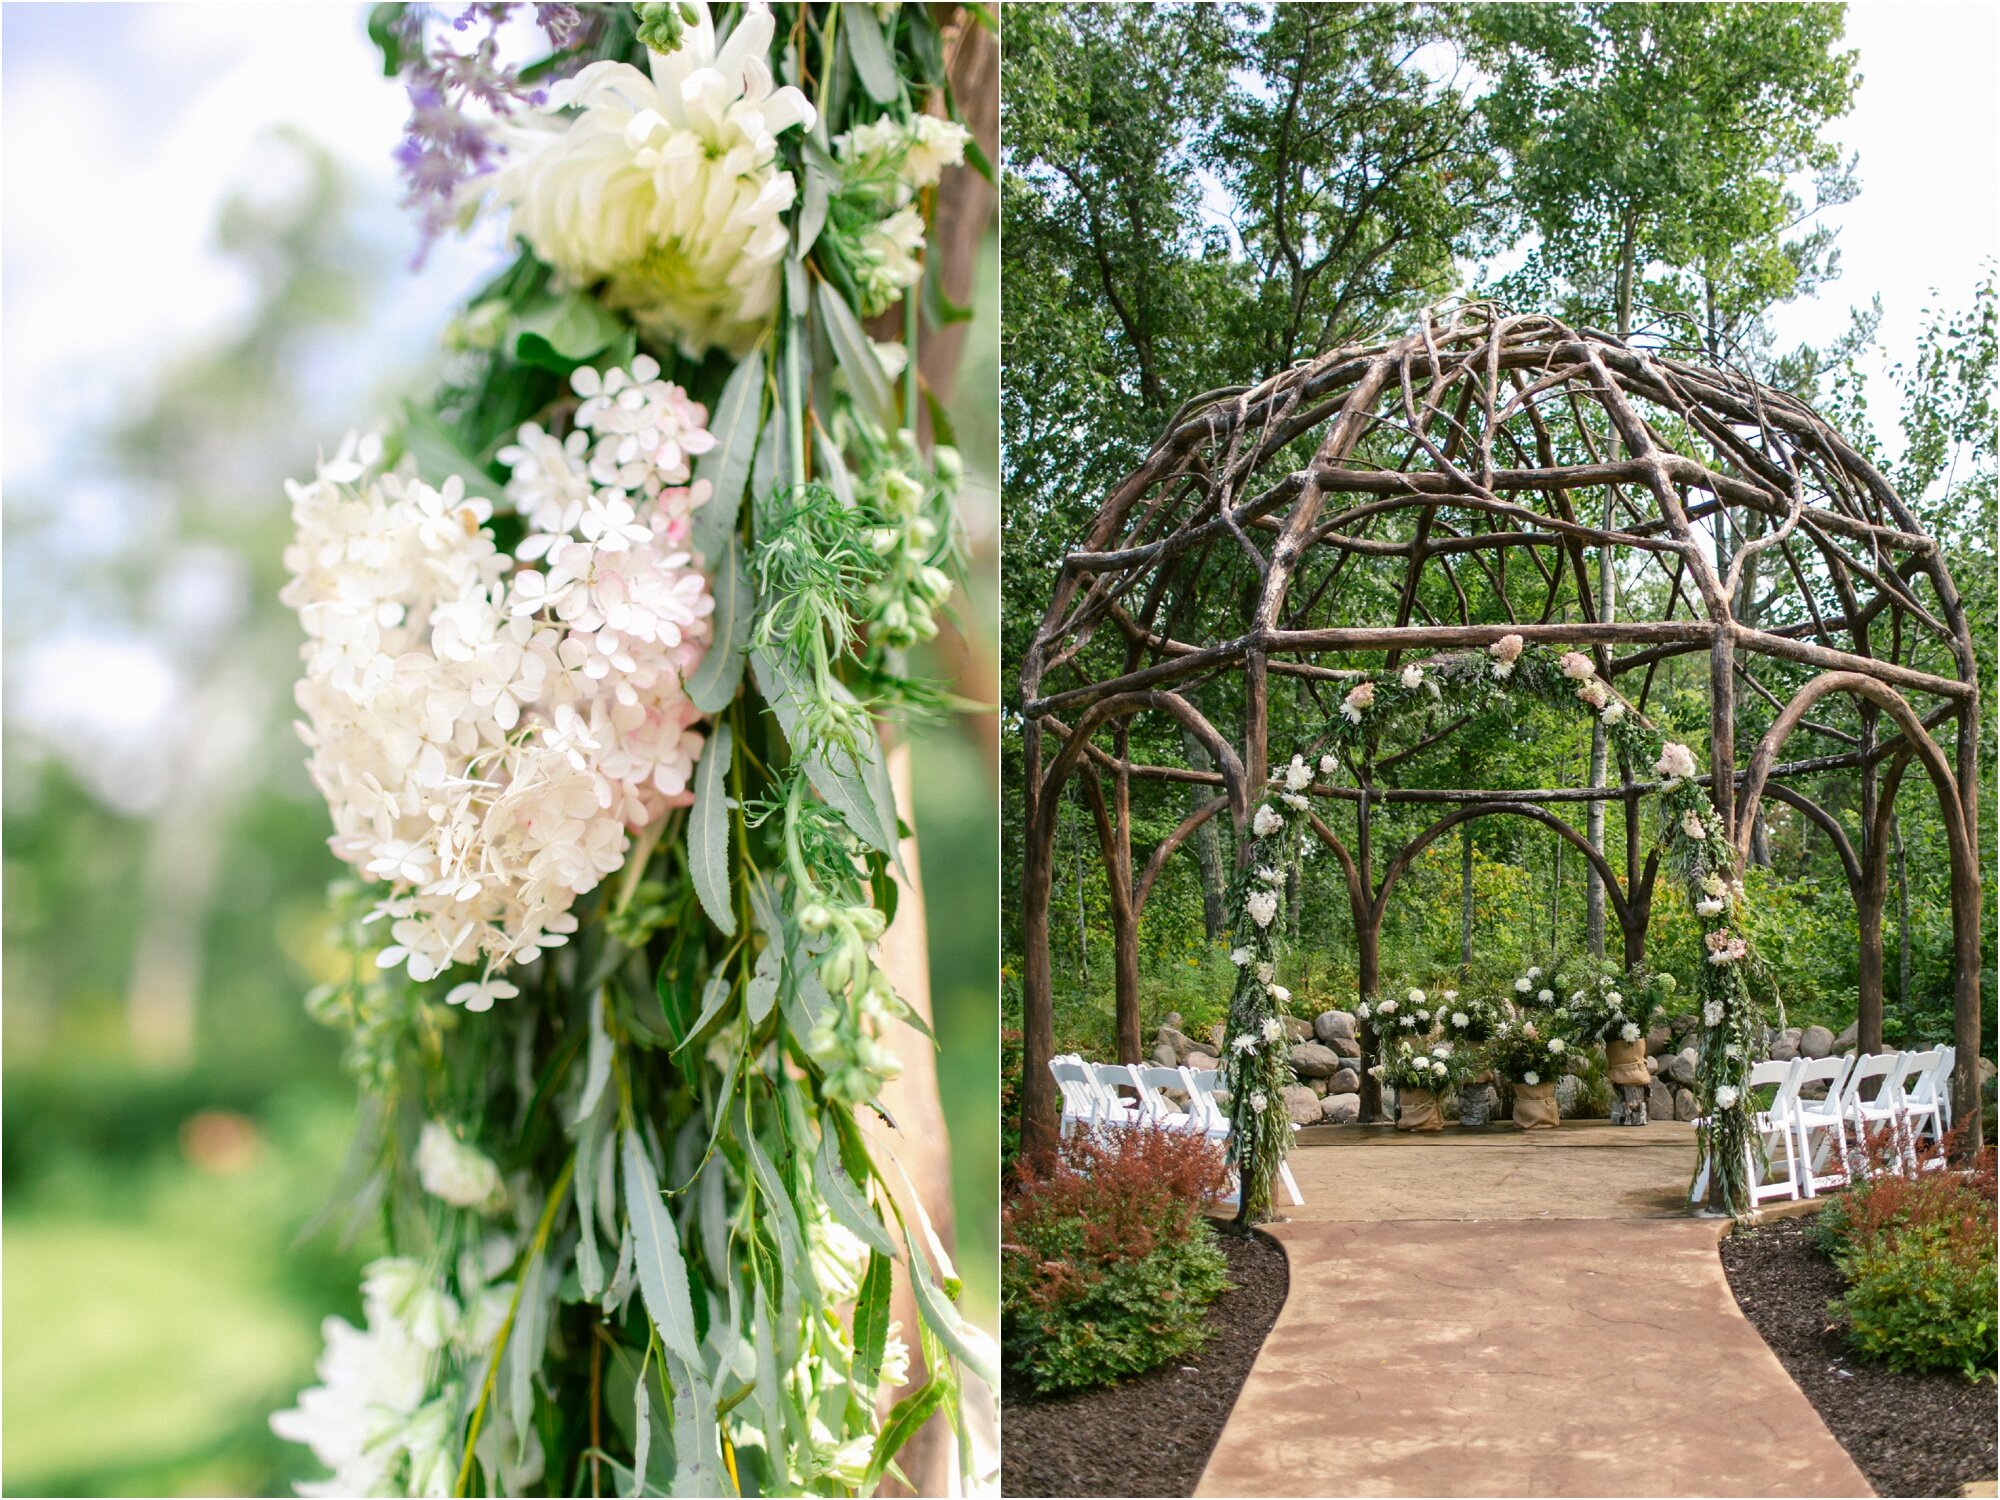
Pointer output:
1695, 851
600, 644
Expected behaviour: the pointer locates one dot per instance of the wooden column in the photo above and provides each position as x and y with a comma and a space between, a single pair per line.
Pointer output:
1041, 1101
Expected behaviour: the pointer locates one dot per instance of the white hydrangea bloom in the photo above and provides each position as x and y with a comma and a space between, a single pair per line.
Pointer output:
1412, 678
486, 728
1711, 1013
1298, 775
1263, 907
461, 1175
1546, 997
1522, 986
1267, 821
1676, 762
666, 187
1241, 957
1328, 765
1726, 1097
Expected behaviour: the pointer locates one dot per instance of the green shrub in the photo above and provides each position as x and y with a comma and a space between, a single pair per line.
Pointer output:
1918, 1255
1922, 1299
1107, 1263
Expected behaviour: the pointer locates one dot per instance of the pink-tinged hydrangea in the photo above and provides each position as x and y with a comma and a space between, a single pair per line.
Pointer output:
487, 729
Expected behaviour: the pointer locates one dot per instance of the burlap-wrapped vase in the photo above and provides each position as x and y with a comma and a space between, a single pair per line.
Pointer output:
1627, 1062
1417, 1109
1535, 1106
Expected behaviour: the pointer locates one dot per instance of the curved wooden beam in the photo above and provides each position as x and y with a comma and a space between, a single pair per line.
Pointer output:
1547, 819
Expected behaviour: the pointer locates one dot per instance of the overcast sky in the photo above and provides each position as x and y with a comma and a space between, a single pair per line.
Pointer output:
126, 124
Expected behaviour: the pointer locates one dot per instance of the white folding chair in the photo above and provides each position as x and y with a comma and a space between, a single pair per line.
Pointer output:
1113, 1107
1079, 1096
1922, 1080
1822, 1118
1156, 1084
1215, 1124
1776, 1124
1944, 1083
1869, 1100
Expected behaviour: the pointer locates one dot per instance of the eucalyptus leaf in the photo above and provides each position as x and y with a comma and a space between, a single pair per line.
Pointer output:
870, 51
642, 1430
866, 381
845, 1201
597, 1071
439, 455
871, 1321
713, 683
708, 832
663, 1279
561, 334
762, 991
713, 998
734, 424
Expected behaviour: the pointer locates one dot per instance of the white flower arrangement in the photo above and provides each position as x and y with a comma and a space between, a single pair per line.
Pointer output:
1262, 907
1298, 775
1259, 1102
1295, 801
1711, 1013
1267, 821
1523, 985
1614, 712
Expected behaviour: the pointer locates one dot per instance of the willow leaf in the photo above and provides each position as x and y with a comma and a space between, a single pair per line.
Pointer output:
871, 1321
642, 1428
870, 51
853, 788
734, 424
598, 1068
845, 1201
663, 1278
708, 832
904, 1418
866, 380
714, 681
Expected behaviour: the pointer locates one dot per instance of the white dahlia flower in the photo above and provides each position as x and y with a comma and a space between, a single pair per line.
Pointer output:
666, 188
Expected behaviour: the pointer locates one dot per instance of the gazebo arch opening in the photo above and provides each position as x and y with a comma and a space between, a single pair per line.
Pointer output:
1489, 477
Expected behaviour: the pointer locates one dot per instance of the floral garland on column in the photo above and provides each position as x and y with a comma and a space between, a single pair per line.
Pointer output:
599, 643
1695, 851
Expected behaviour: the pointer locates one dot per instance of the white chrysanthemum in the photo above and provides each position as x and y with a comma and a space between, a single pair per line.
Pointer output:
1273, 1028
1555, 1046
1629, 1031
1535, 973
1416, 997
1267, 822
461, 1175
1522, 986
666, 187
1386, 1008
1243, 1041
1531, 1078
1460, 1019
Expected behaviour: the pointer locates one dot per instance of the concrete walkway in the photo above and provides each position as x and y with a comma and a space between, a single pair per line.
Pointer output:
1496, 1316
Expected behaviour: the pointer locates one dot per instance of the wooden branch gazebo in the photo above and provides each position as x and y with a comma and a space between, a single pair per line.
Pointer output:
1483, 447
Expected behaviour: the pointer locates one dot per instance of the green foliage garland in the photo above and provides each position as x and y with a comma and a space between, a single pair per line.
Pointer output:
1694, 851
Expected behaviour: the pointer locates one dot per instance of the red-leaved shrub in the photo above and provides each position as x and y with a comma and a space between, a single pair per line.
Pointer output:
1107, 1261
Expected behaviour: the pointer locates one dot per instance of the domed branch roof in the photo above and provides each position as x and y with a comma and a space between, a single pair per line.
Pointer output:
1460, 482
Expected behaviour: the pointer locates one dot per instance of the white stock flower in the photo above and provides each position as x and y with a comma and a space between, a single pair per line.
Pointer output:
666, 187
1262, 906
1267, 821
460, 1174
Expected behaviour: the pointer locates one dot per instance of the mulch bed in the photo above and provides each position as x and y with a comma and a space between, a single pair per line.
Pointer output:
1151, 1435
1910, 1434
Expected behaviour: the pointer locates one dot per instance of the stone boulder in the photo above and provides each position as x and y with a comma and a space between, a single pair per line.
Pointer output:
1175, 1038
1165, 1055
1847, 1040
1815, 1042
1301, 1029
1346, 1081
1317, 1085
1653, 1064
1302, 1104
1340, 1109
1569, 1093
1215, 1034
1311, 1060
1680, 1068
1332, 1026
1786, 1047
1659, 1040
1684, 1105
1202, 1062
1175, 1021
1987, 1070
1659, 1101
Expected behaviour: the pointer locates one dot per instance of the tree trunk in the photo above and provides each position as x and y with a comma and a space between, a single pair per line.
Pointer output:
1207, 845
1465, 901
1041, 1108
1903, 959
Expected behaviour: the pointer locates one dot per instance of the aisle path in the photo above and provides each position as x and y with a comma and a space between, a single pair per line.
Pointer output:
1591, 1348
